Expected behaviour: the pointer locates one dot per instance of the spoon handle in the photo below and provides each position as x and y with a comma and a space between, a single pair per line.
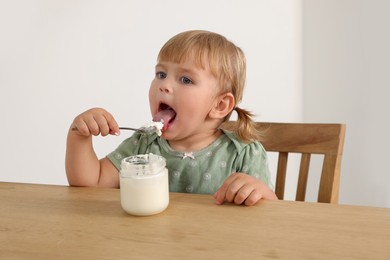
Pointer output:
121, 128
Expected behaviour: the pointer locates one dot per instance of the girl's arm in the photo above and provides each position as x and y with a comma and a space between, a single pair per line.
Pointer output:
83, 168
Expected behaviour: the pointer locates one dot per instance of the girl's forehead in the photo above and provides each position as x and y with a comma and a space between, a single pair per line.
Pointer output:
185, 66
197, 60
186, 57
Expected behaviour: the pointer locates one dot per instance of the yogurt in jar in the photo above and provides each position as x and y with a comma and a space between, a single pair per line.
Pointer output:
144, 187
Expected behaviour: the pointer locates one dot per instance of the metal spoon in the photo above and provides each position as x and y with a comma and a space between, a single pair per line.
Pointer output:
144, 129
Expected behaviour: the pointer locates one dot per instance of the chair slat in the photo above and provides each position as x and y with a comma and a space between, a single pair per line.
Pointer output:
303, 175
281, 175
330, 179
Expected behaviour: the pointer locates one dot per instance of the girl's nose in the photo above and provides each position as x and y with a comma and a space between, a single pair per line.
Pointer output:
165, 89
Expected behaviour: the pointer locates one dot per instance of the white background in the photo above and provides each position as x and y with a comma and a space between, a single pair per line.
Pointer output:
346, 68
311, 61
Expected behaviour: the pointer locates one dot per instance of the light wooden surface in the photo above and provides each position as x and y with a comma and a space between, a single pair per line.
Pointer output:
305, 139
56, 222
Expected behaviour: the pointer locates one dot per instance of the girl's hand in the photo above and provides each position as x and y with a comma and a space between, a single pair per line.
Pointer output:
241, 188
95, 121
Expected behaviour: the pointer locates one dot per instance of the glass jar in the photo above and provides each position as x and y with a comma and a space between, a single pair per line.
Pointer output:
144, 187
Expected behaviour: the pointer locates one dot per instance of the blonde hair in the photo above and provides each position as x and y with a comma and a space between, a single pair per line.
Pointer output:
227, 63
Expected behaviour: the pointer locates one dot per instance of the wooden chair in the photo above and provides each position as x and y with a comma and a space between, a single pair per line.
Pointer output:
305, 139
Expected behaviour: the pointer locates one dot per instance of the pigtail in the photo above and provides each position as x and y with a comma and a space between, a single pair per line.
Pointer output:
246, 129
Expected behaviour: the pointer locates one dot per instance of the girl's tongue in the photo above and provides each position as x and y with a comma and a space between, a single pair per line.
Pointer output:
165, 116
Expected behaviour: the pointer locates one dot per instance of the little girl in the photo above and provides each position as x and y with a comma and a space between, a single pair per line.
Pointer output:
199, 81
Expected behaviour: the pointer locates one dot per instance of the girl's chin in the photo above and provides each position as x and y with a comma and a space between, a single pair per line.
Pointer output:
166, 133
169, 133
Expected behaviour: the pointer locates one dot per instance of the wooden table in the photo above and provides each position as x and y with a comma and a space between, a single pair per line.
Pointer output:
56, 222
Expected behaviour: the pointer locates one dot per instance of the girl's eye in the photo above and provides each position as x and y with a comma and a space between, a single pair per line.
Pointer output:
185, 80
161, 75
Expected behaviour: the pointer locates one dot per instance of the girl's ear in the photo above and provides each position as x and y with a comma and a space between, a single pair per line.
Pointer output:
224, 104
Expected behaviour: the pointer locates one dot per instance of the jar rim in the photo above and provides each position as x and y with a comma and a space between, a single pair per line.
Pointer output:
142, 165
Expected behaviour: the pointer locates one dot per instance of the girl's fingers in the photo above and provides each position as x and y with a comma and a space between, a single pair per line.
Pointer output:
234, 189
224, 193
243, 194
254, 197
102, 124
96, 121
240, 188
80, 127
112, 124
93, 126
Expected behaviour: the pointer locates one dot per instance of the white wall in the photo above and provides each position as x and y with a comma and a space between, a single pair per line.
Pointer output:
346, 65
59, 58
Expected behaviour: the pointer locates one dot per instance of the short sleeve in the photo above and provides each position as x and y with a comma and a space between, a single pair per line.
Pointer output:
253, 160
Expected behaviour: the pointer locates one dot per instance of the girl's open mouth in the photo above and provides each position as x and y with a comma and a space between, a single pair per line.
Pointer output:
165, 114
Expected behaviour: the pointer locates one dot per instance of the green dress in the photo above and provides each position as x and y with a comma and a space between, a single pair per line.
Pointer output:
202, 171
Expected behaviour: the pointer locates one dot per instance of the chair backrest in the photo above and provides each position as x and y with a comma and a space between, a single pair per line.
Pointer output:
305, 139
